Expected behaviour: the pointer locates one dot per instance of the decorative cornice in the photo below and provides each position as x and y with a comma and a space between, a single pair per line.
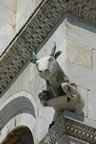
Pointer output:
41, 26
71, 127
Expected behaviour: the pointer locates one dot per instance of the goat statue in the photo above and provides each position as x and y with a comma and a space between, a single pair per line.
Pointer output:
57, 82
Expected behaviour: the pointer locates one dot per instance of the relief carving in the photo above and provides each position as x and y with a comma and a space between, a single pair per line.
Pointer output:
57, 82
69, 126
48, 17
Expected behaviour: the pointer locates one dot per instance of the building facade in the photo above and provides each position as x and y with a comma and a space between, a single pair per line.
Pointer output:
35, 25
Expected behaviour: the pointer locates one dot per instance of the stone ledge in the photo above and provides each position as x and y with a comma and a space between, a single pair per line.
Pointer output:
41, 26
72, 125
70, 140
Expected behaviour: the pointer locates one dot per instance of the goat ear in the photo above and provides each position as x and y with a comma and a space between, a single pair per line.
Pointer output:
34, 58
53, 50
57, 54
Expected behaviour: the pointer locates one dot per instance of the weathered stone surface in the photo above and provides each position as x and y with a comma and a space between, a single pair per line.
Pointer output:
92, 104
60, 103
80, 33
36, 33
13, 15
24, 11
82, 76
7, 22
45, 119
18, 111
85, 74
94, 60
84, 97
79, 55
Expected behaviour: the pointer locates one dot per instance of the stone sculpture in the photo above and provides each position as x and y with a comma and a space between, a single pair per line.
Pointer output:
57, 82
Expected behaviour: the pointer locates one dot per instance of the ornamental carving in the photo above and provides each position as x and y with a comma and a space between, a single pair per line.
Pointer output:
41, 26
58, 86
69, 126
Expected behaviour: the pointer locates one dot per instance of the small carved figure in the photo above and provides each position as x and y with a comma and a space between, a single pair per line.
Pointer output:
57, 82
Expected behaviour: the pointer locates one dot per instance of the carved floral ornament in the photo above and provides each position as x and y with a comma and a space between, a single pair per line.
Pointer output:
41, 26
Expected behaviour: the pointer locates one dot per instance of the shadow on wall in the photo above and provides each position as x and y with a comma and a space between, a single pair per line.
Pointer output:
78, 114
20, 135
81, 23
17, 106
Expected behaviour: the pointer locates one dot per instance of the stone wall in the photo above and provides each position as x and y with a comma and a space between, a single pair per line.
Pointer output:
81, 59
7, 22
13, 15
77, 41
30, 82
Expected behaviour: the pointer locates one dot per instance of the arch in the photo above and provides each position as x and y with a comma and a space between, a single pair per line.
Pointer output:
18, 103
19, 109
15, 107
20, 135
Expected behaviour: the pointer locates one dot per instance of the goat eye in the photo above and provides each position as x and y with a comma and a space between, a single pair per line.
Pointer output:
51, 59
47, 70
